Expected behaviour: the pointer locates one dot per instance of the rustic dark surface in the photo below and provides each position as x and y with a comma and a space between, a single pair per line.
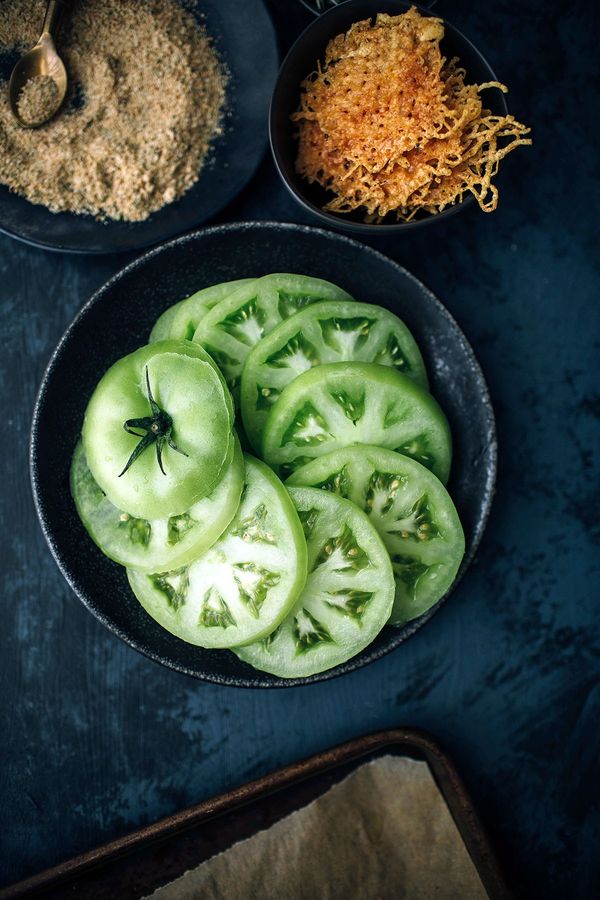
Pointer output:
97, 740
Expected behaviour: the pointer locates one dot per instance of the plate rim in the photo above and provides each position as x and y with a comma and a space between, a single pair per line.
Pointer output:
403, 632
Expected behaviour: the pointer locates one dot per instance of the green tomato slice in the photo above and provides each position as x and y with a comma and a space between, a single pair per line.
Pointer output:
162, 327
180, 321
412, 511
331, 406
232, 328
193, 401
348, 595
190, 311
155, 544
244, 586
329, 332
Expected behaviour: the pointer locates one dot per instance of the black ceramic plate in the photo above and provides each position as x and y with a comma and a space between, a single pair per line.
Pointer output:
245, 39
118, 319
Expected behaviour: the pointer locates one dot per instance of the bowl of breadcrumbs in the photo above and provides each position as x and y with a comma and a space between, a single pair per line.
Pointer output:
385, 117
160, 128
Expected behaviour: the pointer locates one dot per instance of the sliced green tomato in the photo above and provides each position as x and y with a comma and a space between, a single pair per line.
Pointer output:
233, 327
188, 389
411, 510
156, 544
190, 311
244, 586
328, 332
348, 595
334, 405
162, 327
180, 321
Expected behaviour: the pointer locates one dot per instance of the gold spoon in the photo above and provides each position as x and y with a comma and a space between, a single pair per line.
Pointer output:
41, 60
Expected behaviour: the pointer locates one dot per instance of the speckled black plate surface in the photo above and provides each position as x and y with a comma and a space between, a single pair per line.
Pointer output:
245, 40
118, 319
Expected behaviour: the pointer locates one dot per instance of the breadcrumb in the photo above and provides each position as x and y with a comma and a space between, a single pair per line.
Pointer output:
37, 99
146, 101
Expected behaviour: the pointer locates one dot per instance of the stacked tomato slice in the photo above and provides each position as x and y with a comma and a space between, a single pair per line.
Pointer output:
332, 394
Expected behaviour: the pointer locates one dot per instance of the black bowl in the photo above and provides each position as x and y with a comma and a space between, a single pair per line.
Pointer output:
246, 42
118, 319
302, 59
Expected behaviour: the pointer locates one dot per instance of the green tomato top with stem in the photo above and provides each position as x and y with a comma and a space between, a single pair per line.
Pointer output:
158, 429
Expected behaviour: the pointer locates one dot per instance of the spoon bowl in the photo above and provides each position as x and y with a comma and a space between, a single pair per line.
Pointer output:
41, 61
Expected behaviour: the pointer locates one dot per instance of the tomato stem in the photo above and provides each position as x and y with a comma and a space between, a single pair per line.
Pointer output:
158, 428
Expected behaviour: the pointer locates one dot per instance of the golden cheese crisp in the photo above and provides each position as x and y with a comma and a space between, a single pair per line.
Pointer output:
389, 125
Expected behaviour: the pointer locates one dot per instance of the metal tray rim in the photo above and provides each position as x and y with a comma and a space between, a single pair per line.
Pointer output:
445, 773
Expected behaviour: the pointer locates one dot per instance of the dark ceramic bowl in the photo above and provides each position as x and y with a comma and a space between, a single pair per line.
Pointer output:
246, 42
118, 319
302, 59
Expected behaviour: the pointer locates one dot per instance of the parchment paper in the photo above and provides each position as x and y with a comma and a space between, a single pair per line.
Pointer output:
383, 833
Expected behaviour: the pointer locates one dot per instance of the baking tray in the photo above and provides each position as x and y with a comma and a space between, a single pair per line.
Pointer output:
138, 863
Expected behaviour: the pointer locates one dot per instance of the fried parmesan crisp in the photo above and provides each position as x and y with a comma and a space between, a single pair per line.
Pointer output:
389, 125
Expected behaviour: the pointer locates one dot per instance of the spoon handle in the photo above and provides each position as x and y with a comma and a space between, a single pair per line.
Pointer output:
54, 12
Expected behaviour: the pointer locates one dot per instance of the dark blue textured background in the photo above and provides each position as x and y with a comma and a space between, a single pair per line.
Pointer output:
97, 740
